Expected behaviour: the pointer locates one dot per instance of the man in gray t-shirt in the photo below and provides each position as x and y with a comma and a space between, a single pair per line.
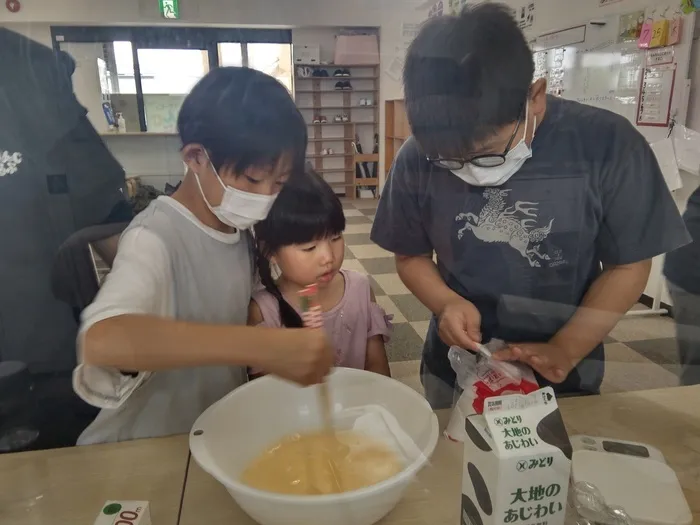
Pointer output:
544, 213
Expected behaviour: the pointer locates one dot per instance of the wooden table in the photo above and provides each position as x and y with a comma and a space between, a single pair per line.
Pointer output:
70, 485
668, 419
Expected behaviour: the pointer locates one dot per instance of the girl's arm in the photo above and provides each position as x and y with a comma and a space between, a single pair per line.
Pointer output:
376, 359
255, 317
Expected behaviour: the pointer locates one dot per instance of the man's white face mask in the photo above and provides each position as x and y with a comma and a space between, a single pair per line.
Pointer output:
498, 175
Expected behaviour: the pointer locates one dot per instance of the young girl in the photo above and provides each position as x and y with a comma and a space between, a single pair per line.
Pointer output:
303, 237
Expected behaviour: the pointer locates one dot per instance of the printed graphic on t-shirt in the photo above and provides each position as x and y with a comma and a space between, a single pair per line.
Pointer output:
9, 162
515, 225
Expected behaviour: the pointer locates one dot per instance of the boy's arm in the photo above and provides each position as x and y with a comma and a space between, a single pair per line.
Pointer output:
130, 326
152, 343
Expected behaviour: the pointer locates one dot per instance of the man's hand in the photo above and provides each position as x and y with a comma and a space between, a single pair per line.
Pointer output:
459, 324
549, 360
306, 360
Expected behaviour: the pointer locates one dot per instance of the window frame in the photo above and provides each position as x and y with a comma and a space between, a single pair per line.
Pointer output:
168, 37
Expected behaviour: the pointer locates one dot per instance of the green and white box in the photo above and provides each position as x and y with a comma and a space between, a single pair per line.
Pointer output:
124, 513
517, 462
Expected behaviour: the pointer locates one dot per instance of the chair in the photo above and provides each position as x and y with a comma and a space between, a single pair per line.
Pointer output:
74, 277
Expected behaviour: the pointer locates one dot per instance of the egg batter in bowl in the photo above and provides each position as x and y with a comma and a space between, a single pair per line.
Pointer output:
318, 463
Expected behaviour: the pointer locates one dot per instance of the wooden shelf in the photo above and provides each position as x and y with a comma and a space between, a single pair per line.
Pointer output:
371, 106
350, 123
396, 130
337, 66
330, 156
324, 91
338, 79
367, 182
334, 123
339, 184
367, 157
331, 139
335, 170
364, 83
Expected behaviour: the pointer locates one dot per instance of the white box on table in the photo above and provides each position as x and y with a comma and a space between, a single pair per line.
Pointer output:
124, 513
517, 462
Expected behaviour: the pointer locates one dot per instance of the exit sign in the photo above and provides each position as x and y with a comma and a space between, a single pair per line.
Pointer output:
170, 9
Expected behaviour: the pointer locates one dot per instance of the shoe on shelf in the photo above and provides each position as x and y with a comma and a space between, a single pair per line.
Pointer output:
323, 119
330, 151
345, 117
345, 72
337, 118
316, 73
324, 152
324, 73
317, 120
363, 102
338, 73
369, 102
339, 86
347, 86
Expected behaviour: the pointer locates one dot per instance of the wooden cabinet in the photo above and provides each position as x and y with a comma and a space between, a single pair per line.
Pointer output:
396, 132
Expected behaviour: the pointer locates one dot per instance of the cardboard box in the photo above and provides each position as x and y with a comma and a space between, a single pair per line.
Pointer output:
517, 462
124, 513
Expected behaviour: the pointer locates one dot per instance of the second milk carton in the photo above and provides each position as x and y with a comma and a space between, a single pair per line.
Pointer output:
517, 462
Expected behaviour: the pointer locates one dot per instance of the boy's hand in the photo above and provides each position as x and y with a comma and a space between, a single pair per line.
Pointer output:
459, 324
305, 357
550, 361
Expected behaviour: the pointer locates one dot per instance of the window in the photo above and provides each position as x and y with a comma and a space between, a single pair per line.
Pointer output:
230, 54
273, 59
124, 62
145, 73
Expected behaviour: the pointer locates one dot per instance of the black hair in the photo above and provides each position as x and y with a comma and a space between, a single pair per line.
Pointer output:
465, 77
307, 209
243, 118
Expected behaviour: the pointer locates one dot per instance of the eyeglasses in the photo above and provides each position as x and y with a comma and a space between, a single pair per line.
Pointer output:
487, 160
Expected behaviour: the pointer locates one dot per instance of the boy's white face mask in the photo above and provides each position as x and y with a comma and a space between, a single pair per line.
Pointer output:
238, 209
498, 175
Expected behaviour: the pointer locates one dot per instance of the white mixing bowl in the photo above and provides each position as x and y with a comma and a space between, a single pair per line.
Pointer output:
231, 433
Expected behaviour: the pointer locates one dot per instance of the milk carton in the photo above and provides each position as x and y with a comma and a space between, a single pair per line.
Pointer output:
517, 461
124, 513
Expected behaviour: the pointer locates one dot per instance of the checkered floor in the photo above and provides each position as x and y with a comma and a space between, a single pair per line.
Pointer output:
641, 351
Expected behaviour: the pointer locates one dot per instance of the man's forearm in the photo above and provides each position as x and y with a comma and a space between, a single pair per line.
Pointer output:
422, 278
149, 343
612, 294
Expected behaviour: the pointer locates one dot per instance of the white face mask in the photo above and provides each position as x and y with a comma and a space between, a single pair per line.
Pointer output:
515, 158
238, 209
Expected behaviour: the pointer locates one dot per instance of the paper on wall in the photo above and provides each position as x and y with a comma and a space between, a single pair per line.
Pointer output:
395, 68
686, 144
666, 157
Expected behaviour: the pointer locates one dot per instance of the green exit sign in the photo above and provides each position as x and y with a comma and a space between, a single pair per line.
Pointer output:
170, 9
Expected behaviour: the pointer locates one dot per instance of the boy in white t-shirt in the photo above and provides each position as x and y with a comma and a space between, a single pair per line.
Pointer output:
166, 335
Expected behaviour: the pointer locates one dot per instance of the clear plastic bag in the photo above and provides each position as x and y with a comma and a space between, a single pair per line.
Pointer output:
479, 378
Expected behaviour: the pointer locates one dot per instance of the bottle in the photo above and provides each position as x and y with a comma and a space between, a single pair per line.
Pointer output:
121, 123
